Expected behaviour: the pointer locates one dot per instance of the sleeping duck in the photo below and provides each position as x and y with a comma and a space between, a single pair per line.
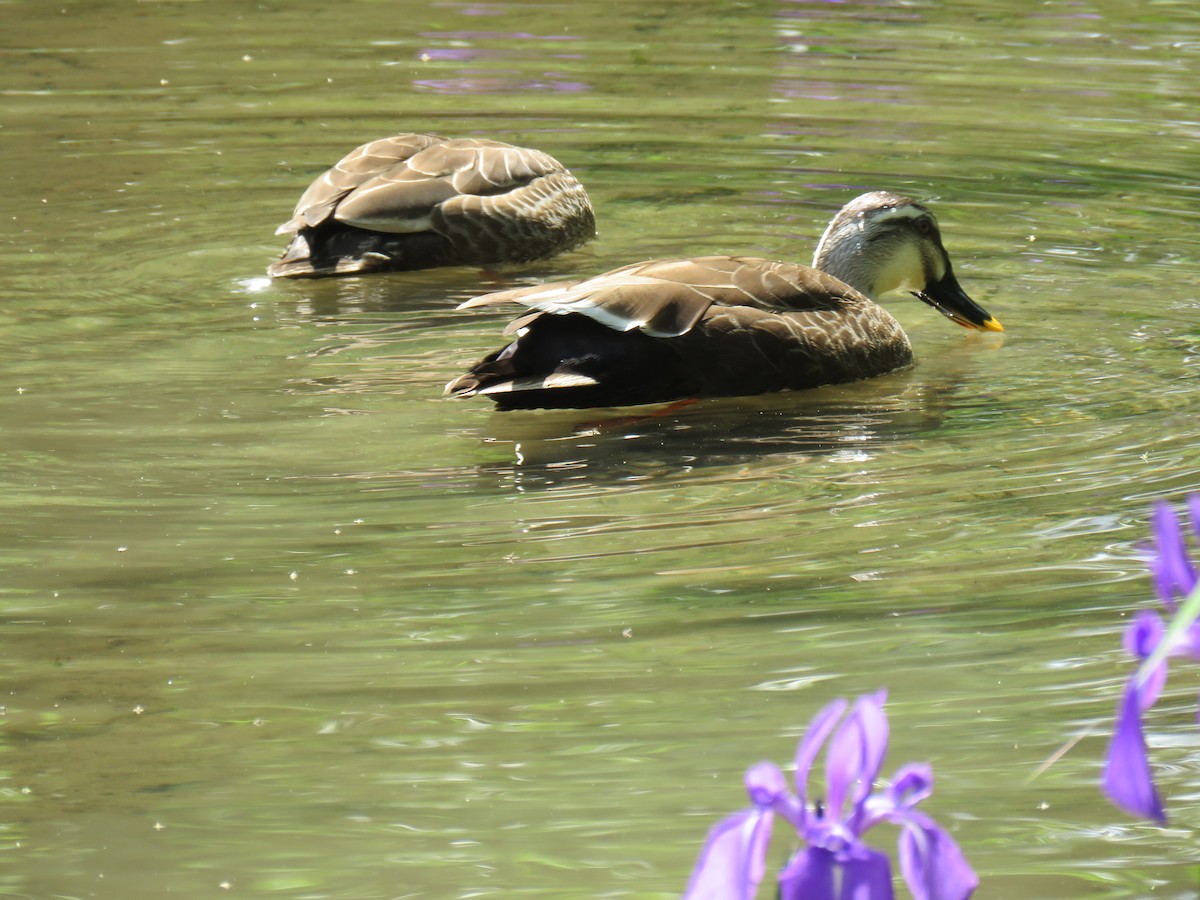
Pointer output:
416, 201
712, 326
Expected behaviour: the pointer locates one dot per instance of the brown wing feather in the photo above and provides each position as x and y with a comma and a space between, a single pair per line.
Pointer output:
488, 168
357, 167
749, 281
514, 224
394, 203
667, 297
403, 196
405, 176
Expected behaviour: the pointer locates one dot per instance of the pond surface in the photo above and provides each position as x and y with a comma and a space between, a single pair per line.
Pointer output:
278, 620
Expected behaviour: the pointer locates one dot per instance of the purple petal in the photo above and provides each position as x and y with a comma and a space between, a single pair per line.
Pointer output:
933, 866
765, 783
1149, 684
808, 748
1173, 573
867, 877
1194, 513
732, 863
1127, 779
912, 784
855, 754
808, 876
843, 763
874, 723
1143, 634
1141, 639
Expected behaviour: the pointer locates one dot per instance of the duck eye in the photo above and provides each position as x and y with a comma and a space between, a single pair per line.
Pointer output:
924, 227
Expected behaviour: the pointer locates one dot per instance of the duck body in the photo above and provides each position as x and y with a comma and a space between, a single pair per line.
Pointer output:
725, 325
417, 201
716, 326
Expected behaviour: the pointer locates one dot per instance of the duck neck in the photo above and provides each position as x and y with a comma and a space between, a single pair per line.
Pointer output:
840, 253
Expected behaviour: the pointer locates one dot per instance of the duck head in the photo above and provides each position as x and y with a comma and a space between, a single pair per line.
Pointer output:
882, 242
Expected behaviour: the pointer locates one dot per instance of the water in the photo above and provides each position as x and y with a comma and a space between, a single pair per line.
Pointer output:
280, 620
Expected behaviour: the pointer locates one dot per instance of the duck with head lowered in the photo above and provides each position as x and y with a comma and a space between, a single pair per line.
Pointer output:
671, 329
418, 201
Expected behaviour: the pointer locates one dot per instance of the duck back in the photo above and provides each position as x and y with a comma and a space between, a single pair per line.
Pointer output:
573, 361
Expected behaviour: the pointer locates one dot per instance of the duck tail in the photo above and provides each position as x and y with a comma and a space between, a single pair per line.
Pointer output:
492, 373
500, 381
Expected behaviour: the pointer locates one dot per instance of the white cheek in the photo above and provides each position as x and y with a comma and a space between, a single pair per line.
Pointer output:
904, 271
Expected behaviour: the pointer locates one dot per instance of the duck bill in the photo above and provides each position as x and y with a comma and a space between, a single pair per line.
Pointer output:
948, 298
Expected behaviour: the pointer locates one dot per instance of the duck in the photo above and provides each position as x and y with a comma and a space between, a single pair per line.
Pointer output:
675, 329
419, 201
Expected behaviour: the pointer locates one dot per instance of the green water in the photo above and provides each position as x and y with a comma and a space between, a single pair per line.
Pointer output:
278, 620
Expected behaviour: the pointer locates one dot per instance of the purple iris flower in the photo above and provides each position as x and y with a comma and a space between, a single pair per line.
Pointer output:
834, 863
1127, 779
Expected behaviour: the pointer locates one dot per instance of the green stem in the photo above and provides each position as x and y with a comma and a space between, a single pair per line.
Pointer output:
1185, 616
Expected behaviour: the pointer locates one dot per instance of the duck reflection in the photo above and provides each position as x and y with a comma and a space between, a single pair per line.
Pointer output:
557, 449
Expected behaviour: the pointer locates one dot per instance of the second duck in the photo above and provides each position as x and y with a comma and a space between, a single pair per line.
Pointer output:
417, 201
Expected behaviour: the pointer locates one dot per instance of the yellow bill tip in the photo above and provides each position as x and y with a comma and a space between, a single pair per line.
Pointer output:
990, 324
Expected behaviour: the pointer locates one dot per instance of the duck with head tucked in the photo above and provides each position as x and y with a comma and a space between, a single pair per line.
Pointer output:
672, 329
416, 201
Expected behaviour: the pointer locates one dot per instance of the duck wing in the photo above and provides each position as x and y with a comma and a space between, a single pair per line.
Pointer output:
394, 184
668, 297
360, 166
450, 181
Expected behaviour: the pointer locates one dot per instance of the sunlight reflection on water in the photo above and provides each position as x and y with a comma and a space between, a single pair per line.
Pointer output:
379, 638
